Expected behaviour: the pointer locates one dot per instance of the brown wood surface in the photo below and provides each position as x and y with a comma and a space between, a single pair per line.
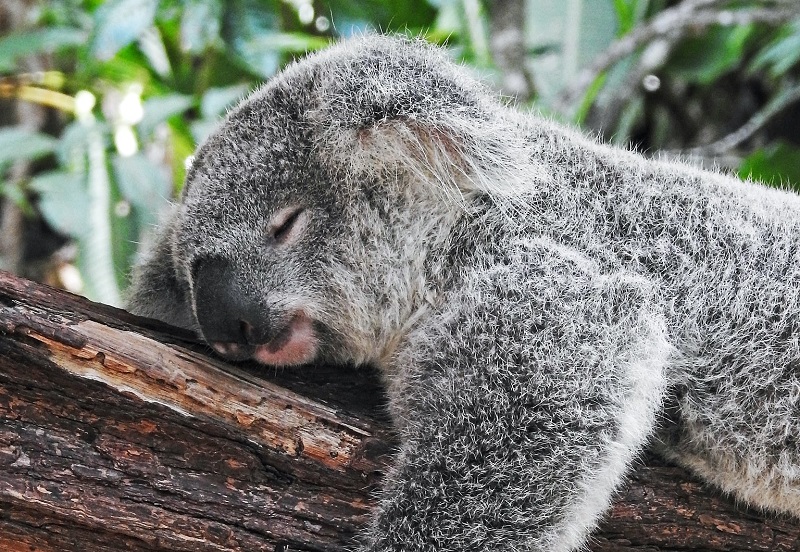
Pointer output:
118, 433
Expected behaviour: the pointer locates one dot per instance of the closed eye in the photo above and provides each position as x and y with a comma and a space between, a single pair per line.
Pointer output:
287, 224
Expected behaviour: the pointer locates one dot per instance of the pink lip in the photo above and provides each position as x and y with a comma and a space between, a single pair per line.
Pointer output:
297, 345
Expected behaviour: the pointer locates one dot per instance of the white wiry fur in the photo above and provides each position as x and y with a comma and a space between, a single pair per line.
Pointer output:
542, 305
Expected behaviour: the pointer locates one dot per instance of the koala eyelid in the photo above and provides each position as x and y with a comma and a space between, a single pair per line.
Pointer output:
284, 225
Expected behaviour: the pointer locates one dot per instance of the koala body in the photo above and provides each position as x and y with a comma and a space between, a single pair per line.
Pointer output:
542, 306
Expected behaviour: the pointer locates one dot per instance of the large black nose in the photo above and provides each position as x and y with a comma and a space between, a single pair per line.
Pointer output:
226, 311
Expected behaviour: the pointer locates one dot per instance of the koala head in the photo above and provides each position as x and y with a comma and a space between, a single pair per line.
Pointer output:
308, 216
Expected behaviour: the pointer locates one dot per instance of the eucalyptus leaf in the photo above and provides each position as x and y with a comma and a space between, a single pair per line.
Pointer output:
15, 192
201, 23
448, 20
120, 22
706, 58
777, 165
782, 54
160, 108
96, 259
353, 16
202, 129
216, 100
20, 144
72, 145
143, 184
246, 22
573, 33
63, 201
35, 41
295, 43
126, 227
260, 59
152, 46
629, 14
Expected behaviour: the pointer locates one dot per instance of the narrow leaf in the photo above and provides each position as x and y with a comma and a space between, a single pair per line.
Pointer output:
18, 143
120, 22
36, 41
63, 201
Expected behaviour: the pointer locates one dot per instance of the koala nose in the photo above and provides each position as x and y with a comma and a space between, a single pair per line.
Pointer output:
230, 319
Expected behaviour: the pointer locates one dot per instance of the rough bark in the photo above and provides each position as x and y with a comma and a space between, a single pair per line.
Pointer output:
118, 433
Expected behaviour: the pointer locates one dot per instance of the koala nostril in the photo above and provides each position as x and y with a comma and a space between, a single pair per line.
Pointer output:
247, 331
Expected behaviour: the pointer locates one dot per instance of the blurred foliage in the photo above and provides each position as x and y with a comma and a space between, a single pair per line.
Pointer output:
137, 84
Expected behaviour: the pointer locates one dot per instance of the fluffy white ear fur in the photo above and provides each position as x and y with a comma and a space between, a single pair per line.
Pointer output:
457, 158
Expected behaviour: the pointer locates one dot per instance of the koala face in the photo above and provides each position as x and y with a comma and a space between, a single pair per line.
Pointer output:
308, 215
255, 223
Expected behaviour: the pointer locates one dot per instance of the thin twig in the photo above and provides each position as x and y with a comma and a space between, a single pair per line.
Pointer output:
773, 108
672, 25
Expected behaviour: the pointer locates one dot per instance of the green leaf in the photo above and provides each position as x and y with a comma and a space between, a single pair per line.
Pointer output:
125, 225
704, 59
629, 13
36, 41
630, 115
216, 100
625, 15
96, 258
292, 43
125, 68
448, 20
120, 22
777, 165
783, 53
142, 183
590, 97
152, 46
71, 149
160, 108
246, 23
351, 16
201, 23
18, 144
63, 201
15, 192
202, 129
181, 145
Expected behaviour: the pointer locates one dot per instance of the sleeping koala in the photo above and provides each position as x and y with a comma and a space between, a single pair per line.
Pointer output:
541, 305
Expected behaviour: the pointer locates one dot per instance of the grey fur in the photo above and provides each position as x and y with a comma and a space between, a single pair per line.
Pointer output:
542, 305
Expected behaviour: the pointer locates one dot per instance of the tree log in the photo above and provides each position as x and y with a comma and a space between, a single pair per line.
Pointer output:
121, 433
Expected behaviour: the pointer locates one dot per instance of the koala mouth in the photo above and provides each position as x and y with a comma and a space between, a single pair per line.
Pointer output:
295, 344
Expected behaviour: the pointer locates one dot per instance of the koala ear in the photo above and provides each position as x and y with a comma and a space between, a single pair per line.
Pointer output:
411, 111
458, 152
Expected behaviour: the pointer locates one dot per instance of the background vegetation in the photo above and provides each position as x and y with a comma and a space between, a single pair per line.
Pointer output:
101, 102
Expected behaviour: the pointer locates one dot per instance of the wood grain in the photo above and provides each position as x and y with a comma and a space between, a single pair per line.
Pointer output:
119, 433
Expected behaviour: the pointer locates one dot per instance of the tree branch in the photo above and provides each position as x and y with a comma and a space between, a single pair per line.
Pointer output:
119, 433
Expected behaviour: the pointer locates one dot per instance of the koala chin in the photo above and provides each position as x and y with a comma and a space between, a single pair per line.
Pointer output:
542, 306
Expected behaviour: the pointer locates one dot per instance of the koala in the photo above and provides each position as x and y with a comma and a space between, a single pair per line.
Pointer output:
542, 306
